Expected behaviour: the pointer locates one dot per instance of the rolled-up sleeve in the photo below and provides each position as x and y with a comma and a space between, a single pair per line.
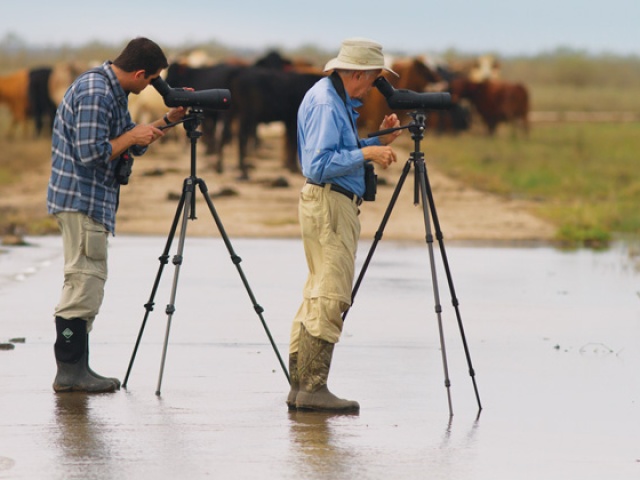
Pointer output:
92, 132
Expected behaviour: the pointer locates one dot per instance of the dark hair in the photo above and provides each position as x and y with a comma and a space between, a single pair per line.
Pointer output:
141, 54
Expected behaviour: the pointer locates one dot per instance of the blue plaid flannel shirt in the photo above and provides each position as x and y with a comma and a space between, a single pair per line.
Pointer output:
93, 111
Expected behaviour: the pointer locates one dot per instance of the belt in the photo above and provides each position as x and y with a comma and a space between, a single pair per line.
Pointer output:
337, 188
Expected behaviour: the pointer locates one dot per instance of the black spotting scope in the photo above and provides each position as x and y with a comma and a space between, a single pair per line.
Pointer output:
401, 99
216, 99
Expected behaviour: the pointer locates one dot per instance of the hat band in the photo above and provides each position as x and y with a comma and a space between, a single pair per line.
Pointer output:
359, 61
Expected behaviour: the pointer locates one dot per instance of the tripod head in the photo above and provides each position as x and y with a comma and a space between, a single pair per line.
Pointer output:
191, 120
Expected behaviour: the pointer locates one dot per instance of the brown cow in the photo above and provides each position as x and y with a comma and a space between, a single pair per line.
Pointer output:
14, 92
495, 101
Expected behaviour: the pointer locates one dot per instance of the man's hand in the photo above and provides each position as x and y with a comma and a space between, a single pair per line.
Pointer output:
390, 121
176, 113
382, 155
144, 135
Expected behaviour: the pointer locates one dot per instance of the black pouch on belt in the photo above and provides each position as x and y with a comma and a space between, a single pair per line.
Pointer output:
370, 182
124, 168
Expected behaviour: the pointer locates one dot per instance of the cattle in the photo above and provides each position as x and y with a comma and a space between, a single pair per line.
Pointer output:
14, 92
262, 95
495, 101
478, 69
41, 107
272, 59
223, 75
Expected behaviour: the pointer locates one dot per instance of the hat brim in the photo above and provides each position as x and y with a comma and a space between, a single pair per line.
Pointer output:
335, 63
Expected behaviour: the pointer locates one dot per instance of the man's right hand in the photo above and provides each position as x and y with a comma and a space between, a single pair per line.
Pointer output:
144, 135
382, 155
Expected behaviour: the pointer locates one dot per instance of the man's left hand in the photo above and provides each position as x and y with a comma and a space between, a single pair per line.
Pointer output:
390, 121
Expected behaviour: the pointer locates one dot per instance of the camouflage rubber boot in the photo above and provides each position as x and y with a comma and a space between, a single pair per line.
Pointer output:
115, 381
314, 362
71, 358
294, 380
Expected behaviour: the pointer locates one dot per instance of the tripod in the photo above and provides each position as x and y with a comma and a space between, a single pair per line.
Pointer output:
422, 190
187, 205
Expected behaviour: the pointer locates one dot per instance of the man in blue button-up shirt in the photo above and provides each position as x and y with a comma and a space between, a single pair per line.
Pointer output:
91, 131
333, 161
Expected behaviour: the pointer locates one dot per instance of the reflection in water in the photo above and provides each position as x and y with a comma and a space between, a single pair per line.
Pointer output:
455, 452
331, 446
80, 438
317, 451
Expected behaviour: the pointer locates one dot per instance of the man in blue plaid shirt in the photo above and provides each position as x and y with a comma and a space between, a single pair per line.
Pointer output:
91, 131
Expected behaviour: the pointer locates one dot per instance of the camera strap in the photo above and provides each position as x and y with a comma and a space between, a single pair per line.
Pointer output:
370, 178
339, 86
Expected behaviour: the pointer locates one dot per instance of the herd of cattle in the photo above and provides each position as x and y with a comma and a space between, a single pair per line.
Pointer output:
271, 89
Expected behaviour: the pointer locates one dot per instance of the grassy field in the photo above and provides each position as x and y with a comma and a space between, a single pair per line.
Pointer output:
581, 176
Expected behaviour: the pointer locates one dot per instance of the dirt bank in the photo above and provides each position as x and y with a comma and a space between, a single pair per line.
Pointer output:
257, 208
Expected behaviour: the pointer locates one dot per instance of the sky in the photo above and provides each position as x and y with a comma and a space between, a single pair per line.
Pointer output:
507, 27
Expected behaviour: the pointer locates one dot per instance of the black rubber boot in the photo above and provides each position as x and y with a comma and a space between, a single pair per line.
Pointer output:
70, 350
314, 362
115, 381
294, 381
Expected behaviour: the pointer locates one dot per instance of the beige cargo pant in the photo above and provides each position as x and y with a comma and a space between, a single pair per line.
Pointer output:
330, 232
85, 266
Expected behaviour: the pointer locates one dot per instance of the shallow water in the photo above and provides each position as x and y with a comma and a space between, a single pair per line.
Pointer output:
552, 336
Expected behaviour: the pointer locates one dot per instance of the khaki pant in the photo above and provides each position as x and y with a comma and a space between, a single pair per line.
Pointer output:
330, 233
85, 266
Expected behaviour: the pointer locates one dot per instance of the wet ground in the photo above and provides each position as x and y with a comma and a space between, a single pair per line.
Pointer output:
553, 338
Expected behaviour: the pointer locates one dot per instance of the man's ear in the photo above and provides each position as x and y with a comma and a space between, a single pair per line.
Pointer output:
138, 74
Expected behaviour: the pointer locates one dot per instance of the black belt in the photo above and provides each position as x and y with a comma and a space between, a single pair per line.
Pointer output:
339, 189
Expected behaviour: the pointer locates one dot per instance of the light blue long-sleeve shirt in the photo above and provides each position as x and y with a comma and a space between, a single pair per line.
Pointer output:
327, 143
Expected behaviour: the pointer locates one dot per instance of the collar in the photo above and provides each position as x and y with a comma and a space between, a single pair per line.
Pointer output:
121, 95
338, 84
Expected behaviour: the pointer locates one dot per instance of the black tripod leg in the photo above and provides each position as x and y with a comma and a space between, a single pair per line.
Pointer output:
236, 261
378, 234
454, 299
164, 259
421, 180
177, 261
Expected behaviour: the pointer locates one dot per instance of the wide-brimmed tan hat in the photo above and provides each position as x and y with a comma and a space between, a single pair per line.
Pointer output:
359, 54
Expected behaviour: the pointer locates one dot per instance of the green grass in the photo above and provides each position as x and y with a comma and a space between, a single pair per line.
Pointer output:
582, 177
591, 98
